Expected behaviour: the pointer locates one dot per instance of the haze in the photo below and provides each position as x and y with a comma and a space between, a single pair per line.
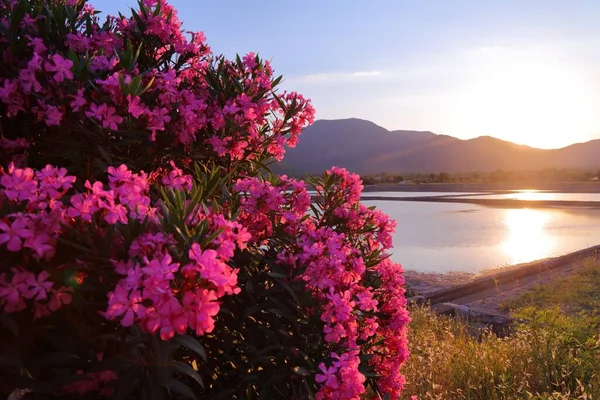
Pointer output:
523, 71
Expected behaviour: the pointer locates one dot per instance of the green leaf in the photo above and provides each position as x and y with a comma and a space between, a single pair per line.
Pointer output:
182, 389
187, 370
147, 86
122, 84
302, 371
134, 86
190, 343
18, 13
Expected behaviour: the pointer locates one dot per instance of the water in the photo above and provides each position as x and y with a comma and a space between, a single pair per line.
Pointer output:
410, 194
415, 194
446, 237
530, 195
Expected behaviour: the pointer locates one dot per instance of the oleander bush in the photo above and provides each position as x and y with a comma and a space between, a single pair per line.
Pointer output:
147, 252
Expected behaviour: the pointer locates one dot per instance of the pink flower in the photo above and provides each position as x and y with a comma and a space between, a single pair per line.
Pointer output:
37, 44
111, 119
328, 378
177, 180
7, 90
219, 145
134, 107
60, 297
54, 181
10, 293
53, 116
29, 82
42, 244
157, 120
19, 183
122, 303
249, 61
79, 101
60, 66
96, 111
213, 270
201, 308
14, 233
37, 288
82, 206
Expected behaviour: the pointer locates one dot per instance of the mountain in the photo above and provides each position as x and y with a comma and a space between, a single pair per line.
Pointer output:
364, 147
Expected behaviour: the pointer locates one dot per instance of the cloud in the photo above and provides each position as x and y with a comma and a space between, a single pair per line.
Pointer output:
366, 76
338, 77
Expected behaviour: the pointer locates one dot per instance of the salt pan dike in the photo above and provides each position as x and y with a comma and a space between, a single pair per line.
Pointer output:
517, 199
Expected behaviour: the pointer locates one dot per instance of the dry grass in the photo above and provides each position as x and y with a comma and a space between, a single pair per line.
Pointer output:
554, 355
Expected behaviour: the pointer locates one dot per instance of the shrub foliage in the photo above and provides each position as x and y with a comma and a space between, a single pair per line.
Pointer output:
145, 249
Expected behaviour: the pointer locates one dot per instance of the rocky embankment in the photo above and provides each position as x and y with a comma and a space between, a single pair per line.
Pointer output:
478, 298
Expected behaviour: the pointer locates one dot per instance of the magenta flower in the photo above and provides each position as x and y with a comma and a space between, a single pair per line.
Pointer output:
42, 244
134, 107
201, 308
29, 82
177, 180
14, 234
96, 111
62, 296
37, 288
328, 377
53, 116
10, 293
19, 183
60, 66
122, 303
82, 206
78, 100
110, 119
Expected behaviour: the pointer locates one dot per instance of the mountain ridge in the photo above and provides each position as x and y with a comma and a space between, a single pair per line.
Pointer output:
362, 146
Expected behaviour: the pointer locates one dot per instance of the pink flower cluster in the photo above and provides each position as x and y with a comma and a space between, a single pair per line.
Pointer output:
126, 196
176, 179
162, 295
139, 89
332, 255
32, 229
156, 292
172, 100
25, 285
265, 205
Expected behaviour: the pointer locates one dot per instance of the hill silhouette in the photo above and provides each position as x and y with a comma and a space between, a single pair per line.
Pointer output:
364, 147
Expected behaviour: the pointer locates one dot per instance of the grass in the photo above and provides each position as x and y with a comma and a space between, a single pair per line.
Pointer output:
553, 354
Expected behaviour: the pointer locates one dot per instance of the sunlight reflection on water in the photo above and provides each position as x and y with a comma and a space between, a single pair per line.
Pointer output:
444, 237
527, 235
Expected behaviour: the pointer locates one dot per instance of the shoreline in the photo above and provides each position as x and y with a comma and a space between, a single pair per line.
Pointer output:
501, 203
490, 288
562, 187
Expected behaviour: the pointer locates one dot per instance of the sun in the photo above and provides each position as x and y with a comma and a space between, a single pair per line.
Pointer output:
532, 100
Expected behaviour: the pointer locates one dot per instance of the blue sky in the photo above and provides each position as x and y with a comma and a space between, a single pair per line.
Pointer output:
521, 70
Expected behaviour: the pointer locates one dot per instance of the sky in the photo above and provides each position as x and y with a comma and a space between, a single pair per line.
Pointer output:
526, 71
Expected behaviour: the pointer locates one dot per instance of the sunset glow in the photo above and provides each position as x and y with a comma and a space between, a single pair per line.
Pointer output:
527, 99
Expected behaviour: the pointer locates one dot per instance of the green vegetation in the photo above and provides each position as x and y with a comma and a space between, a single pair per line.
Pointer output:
554, 352
576, 293
498, 176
